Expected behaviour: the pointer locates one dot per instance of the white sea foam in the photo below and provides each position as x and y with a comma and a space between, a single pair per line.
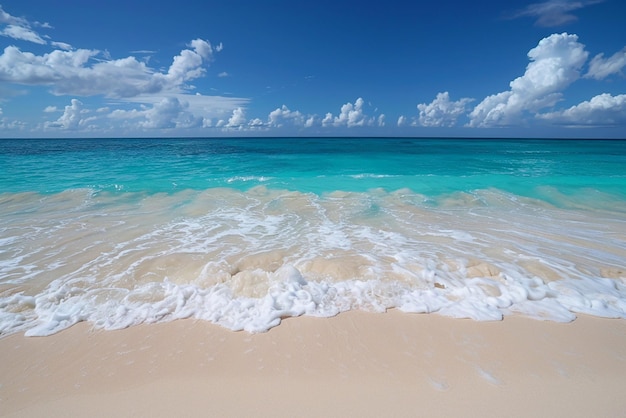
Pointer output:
371, 176
245, 260
248, 178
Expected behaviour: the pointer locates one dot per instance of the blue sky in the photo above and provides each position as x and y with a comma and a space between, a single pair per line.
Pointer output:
138, 68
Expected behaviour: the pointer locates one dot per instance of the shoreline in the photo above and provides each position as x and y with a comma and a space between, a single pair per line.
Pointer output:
354, 364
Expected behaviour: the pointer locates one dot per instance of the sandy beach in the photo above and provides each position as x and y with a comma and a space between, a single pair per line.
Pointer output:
355, 364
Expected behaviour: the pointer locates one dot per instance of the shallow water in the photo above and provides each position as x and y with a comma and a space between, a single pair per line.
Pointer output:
244, 232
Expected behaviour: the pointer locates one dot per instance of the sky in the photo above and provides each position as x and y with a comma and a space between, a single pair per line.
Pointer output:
461, 68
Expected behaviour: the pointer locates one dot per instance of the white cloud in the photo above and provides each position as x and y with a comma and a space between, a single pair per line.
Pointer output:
61, 45
402, 121
22, 33
600, 68
554, 12
7, 19
236, 120
441, 111
601, 110
328, 119
169, 113
199, 104
351, 115
188, 64
256, 123
143, 51
121, 114
45, 25
11, 20
77, 73
166, 113
11, 125
21, 29
555, 63
176, 111
223, 74
162, 97
281, 116
72, 118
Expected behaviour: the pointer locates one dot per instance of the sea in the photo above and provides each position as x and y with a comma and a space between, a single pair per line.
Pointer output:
245, 232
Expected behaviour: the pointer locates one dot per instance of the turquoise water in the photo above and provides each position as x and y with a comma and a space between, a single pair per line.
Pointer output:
431, 167
244, 232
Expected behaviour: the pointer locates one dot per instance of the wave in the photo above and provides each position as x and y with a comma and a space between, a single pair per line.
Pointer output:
247, 259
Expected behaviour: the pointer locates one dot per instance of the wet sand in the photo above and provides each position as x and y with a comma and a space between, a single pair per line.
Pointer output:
355, 364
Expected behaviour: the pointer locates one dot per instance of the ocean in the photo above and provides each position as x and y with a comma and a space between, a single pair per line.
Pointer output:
246, 232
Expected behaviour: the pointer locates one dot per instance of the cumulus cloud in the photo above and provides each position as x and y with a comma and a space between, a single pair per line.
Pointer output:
281, 116
188, 64
553, 12
73, 117
169, 113
601, 110
351, 115
600, 68
237, 120
256, 123
77, 73
166, 113
441, 111
161, 97
555, 63
176, 111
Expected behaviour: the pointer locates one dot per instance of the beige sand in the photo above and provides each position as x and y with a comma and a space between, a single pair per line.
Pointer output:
356, 364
